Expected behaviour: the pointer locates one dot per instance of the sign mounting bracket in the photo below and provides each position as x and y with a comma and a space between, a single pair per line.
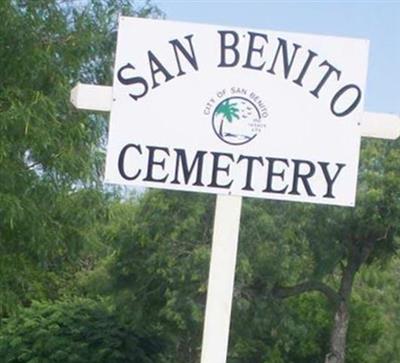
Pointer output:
99, 98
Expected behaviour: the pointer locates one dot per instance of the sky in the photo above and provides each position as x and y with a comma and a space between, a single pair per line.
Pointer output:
377, 21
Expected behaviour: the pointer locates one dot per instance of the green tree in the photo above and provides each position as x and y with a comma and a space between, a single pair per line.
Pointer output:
161, 269
50, 154
342, 241
159, 274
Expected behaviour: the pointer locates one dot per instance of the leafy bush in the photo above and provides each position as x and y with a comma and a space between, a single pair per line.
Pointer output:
73, 331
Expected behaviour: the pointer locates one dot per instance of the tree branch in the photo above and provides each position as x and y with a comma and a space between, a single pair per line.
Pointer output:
309, 286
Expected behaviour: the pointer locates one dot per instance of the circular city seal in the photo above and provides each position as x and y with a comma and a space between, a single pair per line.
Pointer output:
237, 120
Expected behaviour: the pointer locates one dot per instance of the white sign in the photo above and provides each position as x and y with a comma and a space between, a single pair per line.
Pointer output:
227, 110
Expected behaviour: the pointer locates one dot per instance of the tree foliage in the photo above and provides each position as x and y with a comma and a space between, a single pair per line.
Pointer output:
50, 154
159, 276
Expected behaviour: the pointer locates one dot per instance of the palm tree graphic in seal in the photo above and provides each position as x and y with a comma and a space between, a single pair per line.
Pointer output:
234, 120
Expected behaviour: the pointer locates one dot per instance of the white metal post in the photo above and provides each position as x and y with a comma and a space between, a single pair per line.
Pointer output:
221, 279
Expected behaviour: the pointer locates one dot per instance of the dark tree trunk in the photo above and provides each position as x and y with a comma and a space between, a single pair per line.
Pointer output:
337, 352
337, 349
